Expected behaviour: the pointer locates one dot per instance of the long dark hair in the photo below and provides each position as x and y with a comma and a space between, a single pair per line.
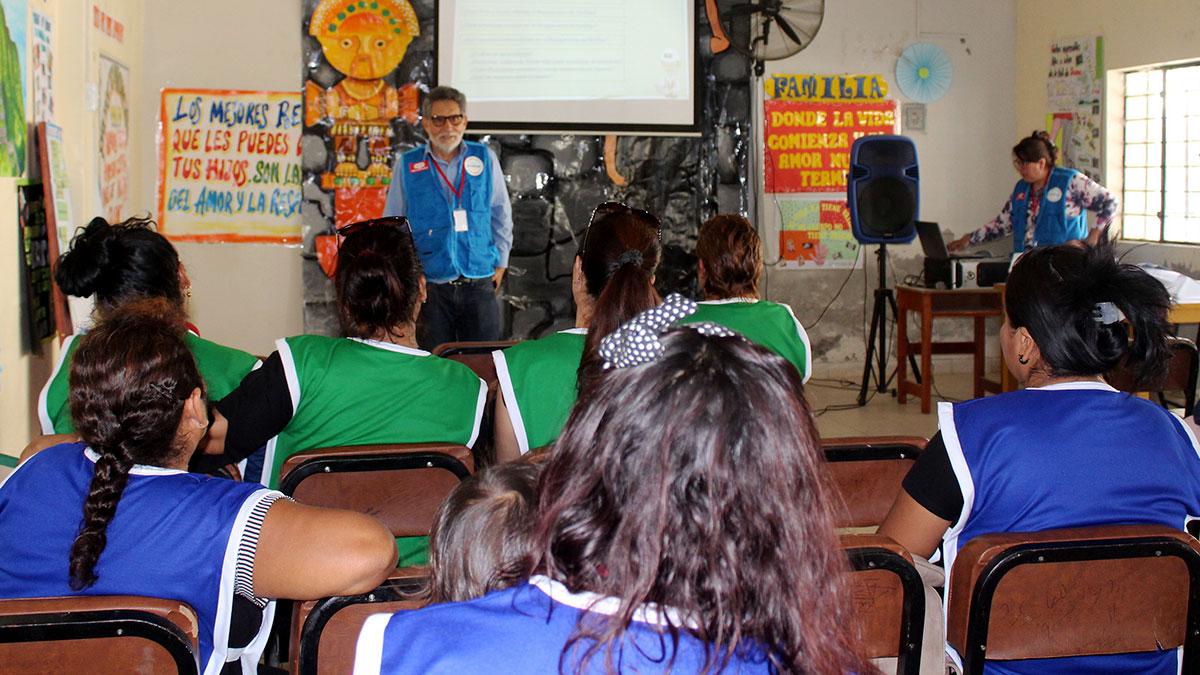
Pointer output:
377, 279
663, 489
619, 256
480, 539
1035, 146
1053, 292
731, 251
128, 383
120, 262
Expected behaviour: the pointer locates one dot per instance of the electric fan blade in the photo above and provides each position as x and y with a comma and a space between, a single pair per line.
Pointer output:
787, 30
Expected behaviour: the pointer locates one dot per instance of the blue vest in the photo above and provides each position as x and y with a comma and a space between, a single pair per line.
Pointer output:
1073, 455
522, 630
168, 539
446, 254
1052, 225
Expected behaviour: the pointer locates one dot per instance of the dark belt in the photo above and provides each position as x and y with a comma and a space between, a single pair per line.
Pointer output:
468, 281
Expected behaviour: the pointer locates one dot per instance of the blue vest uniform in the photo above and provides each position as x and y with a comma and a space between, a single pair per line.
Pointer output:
170, 538
1070, 455
446, 254
1052, 224
524, 629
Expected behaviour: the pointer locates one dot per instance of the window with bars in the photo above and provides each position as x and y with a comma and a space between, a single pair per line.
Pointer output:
1161, 196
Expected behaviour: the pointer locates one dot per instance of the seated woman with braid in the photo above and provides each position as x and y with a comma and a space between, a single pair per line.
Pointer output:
117, 264
613, 280
148, 527
372, 386
729, 266
1068, 450
674, 533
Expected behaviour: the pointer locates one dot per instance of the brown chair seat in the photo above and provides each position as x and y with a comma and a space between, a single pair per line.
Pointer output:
888, 598
867, 472
98, 634
325, 632
401, 484
1075, 592
475, 355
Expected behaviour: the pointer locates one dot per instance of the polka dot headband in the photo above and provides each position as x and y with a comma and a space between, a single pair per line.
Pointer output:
637, 342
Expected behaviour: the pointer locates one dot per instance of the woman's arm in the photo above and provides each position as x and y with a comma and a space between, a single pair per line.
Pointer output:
252, 414
913, 527
308, 552
928, 503
505, 438
1086, 193
997, 227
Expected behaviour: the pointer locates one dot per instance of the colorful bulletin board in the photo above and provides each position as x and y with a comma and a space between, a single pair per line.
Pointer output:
14, 85
114, 139
816, 233
229, 166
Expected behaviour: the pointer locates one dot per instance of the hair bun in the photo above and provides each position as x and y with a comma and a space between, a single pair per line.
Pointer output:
79, 270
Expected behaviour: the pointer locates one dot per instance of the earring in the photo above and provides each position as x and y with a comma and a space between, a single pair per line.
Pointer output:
188, 291
1022, 360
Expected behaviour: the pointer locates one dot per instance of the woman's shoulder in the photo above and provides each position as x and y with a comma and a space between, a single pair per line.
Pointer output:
214, 352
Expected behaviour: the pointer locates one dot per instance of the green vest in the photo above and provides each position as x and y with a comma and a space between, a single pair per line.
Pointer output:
363, 392
538, 379
769, 324
221, 367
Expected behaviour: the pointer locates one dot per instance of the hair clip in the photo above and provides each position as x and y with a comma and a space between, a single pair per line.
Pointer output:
1107, 313
636, 341
163, 391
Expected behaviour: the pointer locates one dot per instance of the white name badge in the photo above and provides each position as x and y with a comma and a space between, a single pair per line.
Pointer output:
460, 220
1054, 194
473, 165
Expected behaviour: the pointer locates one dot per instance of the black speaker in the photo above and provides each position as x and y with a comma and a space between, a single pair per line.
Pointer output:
883, 195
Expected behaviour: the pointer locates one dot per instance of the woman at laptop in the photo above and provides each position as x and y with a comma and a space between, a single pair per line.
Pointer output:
1047, 205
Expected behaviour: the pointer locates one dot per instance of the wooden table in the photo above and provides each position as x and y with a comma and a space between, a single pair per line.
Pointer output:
931, 303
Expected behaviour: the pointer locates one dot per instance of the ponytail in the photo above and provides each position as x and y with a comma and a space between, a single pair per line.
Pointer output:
377, 280
119, 263
1072, 301
621, 255
128, 383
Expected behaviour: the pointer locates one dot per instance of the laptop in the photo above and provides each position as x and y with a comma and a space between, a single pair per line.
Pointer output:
943, 270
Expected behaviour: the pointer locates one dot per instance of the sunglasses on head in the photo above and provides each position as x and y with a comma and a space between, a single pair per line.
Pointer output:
606, 209
388, 221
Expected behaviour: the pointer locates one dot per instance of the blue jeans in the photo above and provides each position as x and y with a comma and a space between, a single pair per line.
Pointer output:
463, 310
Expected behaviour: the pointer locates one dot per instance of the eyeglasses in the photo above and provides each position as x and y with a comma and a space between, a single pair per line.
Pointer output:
1018, 163
387, 221
443, 120
606, 209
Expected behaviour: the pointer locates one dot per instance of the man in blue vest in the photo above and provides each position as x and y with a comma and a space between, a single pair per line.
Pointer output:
454, 195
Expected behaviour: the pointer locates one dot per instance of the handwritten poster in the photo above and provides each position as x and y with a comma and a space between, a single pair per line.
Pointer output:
1074, 89
807, 144
229, 165
114, 139
43, 69
816, 233
57, 196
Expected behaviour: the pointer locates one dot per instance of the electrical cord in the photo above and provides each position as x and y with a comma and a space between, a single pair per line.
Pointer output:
836, 295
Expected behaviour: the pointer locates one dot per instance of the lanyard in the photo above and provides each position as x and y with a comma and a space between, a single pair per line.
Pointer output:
462, 177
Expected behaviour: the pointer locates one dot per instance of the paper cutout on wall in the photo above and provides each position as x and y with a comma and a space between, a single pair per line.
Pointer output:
114, 139
14, 42
363, 41
229, 166
924, 72
816, 234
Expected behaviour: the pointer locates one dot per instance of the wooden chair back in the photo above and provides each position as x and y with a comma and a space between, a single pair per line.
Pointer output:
1182, 372
401, 484
867, 472
98, 634
1075, 592
888, 599
325, 632
475, 355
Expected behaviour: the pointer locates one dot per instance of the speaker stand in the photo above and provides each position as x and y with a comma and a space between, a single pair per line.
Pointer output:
877, 353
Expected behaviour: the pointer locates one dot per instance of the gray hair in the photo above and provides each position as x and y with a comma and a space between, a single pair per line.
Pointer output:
443, 94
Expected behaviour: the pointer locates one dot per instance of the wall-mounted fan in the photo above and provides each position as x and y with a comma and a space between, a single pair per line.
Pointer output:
778, 28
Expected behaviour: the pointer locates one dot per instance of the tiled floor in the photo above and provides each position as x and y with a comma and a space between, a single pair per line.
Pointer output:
835, 403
